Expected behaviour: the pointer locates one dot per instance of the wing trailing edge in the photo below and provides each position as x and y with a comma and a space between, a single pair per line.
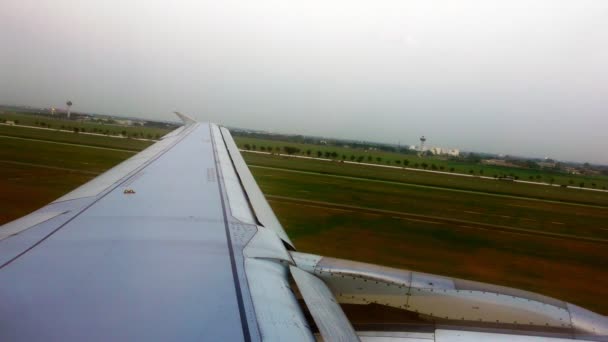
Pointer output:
260, 206
444, 301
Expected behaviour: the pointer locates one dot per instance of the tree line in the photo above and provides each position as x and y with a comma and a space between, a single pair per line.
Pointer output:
290, 150
333, 155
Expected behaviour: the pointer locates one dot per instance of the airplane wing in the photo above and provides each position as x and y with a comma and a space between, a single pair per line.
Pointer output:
179, 243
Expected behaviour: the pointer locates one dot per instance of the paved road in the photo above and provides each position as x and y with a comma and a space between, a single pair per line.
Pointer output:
68, 144
431, 219
422, 170
84, 133
427, 186
42, 166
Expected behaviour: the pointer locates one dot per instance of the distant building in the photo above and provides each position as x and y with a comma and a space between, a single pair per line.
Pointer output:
454, 152
124, 122
498, 162
572, 170
436, 150
548, 165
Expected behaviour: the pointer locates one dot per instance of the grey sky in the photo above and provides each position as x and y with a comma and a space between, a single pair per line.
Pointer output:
516, 77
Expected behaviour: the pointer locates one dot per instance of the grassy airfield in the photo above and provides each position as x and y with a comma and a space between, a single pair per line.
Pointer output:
542, 246
545, 239
440, 163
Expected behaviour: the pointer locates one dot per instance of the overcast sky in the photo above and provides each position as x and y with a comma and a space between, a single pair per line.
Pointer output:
513, 77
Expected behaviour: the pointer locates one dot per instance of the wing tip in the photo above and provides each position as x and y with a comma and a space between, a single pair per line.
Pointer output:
186, 119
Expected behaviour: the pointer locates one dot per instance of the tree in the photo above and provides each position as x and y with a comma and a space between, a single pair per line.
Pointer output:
308, 152
334, 155
360, 159
581, 184
398, 162
327, 154
452, 169
262, 148
406, 162
473, 158
370, 158
253, 147
344, 157
424, 165
481, 172
319, 154
441, 167
532, 164
433, 166
75, 129
291, 150
352, 157
378, 159
247, 147
124, 133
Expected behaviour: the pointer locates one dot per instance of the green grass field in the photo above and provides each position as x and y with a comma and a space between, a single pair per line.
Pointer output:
439, 205
74, 138
571, 270
26, 187
59, 155
431, 179
61, 123
528, 236
387, 158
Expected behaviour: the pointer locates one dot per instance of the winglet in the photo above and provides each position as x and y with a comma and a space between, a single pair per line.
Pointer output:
186, 119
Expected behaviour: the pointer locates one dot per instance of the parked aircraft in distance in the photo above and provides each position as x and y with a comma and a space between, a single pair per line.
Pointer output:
178, 243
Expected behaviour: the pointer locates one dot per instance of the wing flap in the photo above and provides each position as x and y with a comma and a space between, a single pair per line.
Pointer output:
261, 208
325, 310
